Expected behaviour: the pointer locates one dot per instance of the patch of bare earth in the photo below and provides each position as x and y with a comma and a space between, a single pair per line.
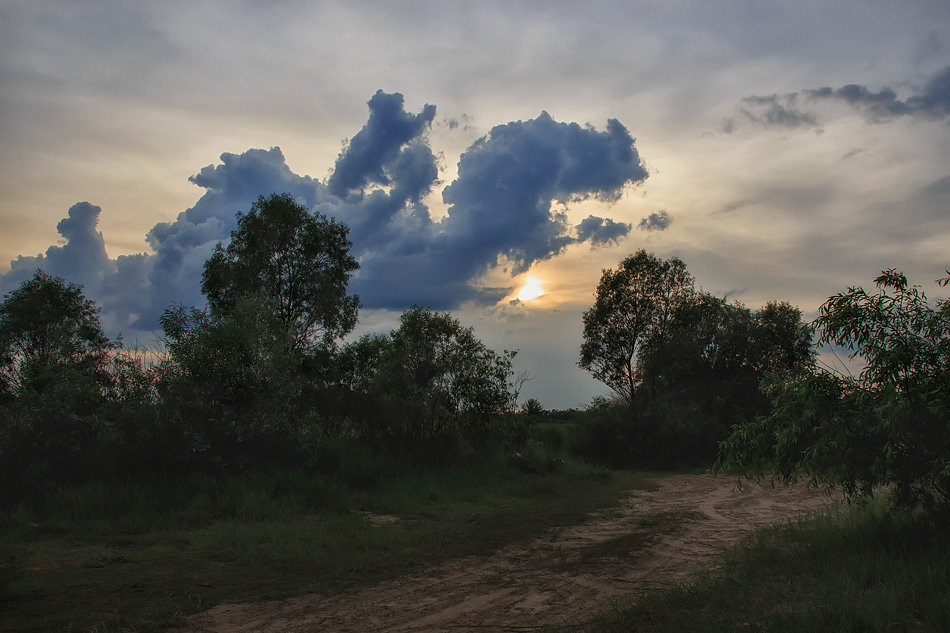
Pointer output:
653, 539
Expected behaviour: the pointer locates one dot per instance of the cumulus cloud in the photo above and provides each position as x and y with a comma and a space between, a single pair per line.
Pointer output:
82, 256
376, 145
657, 221
500, 212
932, 102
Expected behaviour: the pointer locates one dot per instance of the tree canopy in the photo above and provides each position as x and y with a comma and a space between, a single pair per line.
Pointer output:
48, 323
633, 305
686, 364
887, 426
431, 375
300, 260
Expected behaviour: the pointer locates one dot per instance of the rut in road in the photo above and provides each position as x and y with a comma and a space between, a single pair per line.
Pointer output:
654, 539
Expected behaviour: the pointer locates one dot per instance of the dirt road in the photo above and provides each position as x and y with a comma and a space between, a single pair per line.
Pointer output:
653, 539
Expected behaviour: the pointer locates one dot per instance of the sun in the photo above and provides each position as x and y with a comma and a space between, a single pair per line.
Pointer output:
531, 290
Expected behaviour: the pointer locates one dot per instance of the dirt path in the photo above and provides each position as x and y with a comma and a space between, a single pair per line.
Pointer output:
653, 539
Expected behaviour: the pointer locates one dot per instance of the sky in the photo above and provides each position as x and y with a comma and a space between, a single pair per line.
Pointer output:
490, 158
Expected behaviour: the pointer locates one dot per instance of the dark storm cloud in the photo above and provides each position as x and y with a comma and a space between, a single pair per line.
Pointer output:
932, 102
500, 210
389, 128
657, 221
507, 181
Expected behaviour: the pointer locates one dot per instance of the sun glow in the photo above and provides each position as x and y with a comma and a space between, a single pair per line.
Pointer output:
531, 290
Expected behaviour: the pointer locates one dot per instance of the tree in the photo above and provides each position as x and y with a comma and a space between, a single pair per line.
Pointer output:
634, 307
887, 426
299, 260
782, 341
687, 364
429, 377
729, 343
47, 325
53, 377
231, 382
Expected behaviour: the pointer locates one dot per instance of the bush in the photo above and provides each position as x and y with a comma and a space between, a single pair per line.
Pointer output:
886, 427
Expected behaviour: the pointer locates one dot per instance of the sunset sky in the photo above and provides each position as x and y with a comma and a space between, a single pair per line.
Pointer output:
491, 158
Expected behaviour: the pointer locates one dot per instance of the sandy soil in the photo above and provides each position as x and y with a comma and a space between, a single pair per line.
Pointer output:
654, 539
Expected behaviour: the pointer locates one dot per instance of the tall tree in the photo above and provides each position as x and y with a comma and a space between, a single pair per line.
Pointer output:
299, 260
47, 323
634, 307
54, 361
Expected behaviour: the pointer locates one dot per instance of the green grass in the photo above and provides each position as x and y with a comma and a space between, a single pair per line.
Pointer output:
857, 570
139, 555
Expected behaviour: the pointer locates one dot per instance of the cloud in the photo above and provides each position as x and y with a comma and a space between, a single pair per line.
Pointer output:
657, 221
735, 205
82, 256
499, 209
933, 103
500, 212
775, 111
601, 231
376, 145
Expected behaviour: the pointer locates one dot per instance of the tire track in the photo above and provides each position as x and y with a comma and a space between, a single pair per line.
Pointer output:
654, 539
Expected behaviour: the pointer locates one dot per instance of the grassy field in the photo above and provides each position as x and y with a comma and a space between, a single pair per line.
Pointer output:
856, 570
136, 556
139, 555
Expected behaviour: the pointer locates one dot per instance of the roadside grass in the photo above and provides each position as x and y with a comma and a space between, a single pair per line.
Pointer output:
857, 569
138, 555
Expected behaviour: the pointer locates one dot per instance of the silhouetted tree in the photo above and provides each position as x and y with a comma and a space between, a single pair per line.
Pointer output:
53, 375
634, 307
299, 260
47, 325
231, 381
687, 364
431, 376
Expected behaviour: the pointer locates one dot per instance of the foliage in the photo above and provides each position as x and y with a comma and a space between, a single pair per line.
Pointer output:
685, 365
633, 306
532, 406
299, 260
430, 377
887, 426
48, 327
230, 382
53, 378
